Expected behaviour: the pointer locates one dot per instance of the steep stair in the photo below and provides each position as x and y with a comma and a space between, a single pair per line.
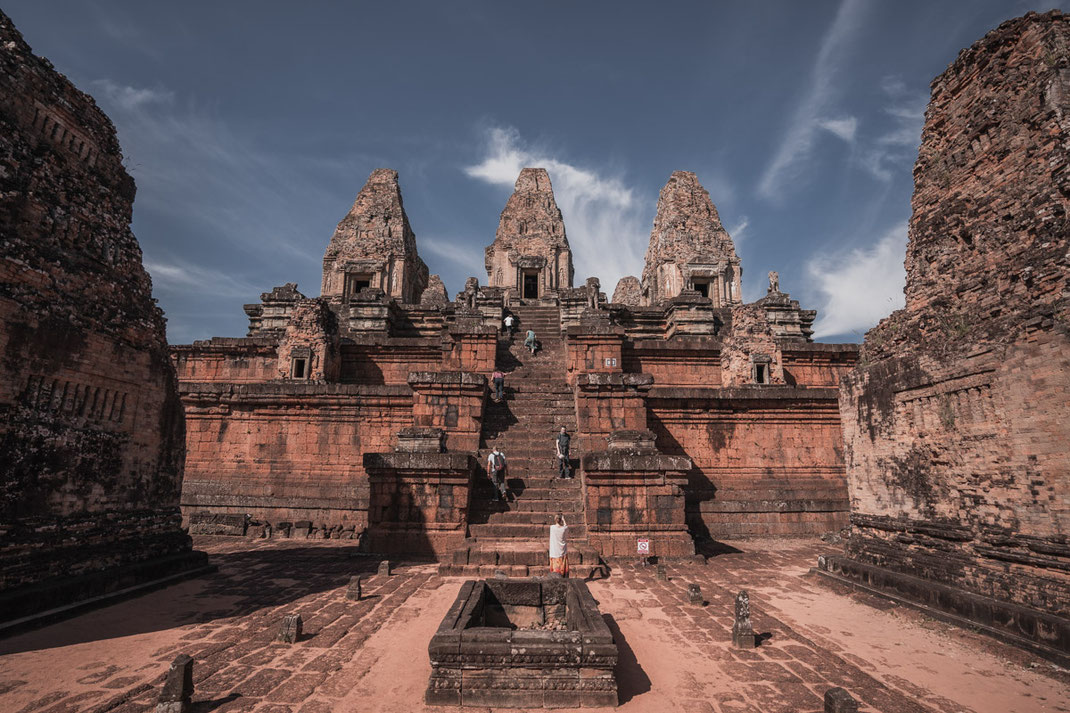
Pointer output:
512, 536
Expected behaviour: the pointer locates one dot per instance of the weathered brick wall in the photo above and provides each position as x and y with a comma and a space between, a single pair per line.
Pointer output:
676, 362
956, 423
90, 423
247, 361
287, 451
767, 460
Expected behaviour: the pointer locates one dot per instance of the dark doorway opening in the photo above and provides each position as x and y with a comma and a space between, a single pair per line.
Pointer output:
703, 288
531, 285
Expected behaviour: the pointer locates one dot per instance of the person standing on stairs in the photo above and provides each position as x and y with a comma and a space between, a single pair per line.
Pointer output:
558, 546
530, 342
498, 378
496, 471
562, 442
510, 325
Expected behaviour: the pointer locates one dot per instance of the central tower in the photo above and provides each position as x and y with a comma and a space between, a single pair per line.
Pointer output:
530, 253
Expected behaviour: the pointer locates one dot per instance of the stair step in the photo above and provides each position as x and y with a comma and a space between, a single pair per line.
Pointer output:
528, 531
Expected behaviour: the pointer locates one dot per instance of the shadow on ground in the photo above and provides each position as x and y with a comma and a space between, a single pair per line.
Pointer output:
245, 582
631, 679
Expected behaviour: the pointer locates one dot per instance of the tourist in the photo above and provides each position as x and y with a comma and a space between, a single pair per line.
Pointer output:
496, 471
562, 443
558, 546
510, 325
498, 379
530, 342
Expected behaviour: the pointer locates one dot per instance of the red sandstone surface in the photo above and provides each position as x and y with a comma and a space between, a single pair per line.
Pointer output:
956, 425
372, 655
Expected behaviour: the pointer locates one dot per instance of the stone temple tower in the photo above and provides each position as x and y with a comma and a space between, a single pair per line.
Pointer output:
374, 246
530, 253
689, 248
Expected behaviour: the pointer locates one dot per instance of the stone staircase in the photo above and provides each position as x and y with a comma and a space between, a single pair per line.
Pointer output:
512, 537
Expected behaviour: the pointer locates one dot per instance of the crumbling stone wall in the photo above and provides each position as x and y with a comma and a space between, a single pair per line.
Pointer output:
91, 439
628, 291
689, 247
374, 246
956, 423
309, 347
435, 295
531, 236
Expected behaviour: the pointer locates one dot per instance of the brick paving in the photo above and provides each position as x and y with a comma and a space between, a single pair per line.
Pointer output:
372, 655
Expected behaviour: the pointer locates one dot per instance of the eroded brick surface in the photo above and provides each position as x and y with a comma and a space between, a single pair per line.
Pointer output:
91, 438
956, 426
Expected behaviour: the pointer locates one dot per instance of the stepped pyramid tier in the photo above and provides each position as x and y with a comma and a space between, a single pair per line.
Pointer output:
374, 246
689, 248
530, 255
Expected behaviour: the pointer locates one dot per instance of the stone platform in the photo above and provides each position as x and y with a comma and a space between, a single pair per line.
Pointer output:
371, 655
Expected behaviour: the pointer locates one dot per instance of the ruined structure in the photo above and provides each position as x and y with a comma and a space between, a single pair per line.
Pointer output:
91, 437
956, 426
530, 256
689, 248
362, 415
374, 246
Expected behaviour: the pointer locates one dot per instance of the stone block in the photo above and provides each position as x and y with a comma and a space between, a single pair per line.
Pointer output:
353, 591
837, 700
290, 631
177, 693
384, 568
694, 594
743, 636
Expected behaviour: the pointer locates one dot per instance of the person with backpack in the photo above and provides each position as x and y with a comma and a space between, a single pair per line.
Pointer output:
561, 443
498, 379
496, 471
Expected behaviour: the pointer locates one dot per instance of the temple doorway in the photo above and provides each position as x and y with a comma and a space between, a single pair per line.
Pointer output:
530, 285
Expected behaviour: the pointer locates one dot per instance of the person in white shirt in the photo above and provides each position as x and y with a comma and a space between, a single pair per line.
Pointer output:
510, 324
559, 546
496, 471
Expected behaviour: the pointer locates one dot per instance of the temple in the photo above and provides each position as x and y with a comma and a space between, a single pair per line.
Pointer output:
364, 413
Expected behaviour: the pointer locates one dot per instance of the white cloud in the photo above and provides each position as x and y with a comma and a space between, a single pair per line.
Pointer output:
130, 98
896, 148
182, 276
737, 231
602, 216
844, 127
810, 115
860, 287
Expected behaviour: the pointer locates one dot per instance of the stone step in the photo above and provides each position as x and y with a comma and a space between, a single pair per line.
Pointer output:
526, 531
579, 571
541, 506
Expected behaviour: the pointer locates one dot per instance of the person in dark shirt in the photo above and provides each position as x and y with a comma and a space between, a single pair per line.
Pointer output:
562, 444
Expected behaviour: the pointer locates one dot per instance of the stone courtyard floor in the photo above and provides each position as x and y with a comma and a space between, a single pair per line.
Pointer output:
372, 655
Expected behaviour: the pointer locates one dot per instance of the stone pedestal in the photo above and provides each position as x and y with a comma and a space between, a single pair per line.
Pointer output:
633, 492
419, 495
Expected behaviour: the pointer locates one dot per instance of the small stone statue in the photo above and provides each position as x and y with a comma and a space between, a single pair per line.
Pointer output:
353, 591
742, 632
593, 286
774, 281
384, 568
694, 594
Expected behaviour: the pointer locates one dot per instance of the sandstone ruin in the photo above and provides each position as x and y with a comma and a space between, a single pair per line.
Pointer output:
530, 256
956, 422
361, 418
91, 436
364, 414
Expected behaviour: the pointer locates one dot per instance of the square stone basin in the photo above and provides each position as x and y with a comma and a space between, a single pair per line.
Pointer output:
523, 643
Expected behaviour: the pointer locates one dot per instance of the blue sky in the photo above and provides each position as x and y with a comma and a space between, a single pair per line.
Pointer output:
250, 126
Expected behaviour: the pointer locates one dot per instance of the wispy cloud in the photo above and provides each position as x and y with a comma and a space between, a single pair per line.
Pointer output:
897, 146
859, 287
844, 127
738, 230
812, 113
129, 98
180, 276
457, 252
602, 215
